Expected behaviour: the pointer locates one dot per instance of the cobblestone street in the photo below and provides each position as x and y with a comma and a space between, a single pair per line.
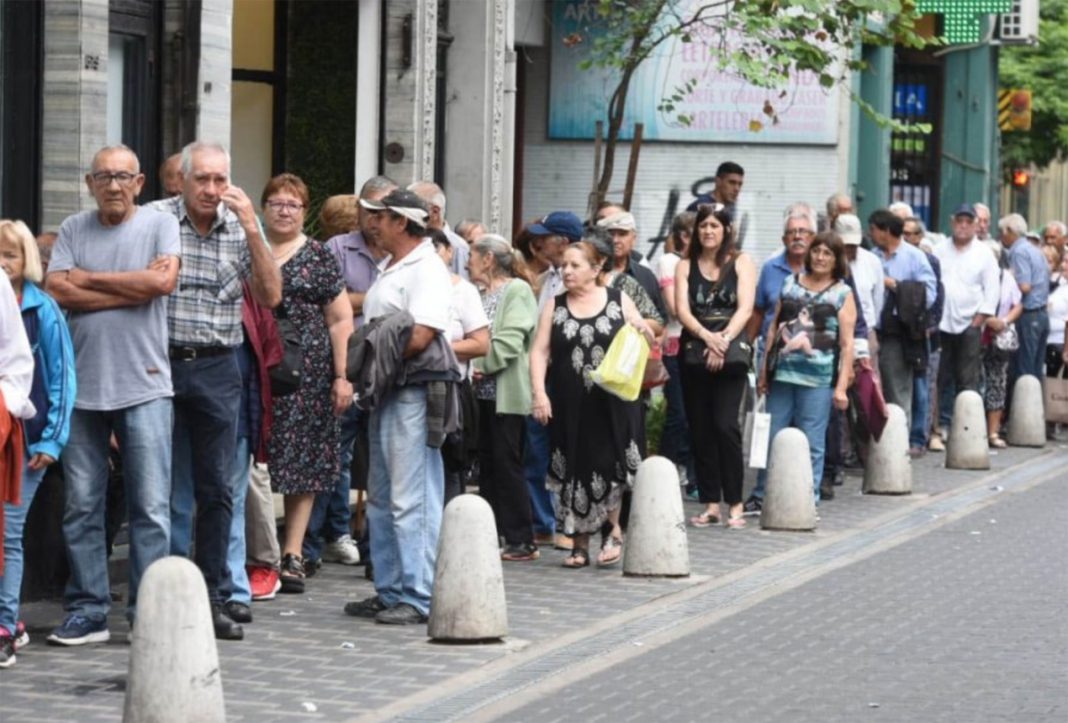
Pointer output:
944, 605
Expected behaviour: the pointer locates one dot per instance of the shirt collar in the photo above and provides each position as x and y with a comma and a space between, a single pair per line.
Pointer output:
183, 214
356, 242
416, 255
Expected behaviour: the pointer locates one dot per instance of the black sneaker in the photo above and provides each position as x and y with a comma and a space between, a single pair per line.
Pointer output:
311, 566
401, 614
752, 507
7, 649
291, 574
367, 608
225, 627
826, 489
238, 611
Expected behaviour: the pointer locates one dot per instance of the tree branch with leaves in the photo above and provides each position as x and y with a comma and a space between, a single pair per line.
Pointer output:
761, 42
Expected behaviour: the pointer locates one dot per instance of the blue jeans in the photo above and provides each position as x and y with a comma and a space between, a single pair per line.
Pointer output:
808, 409
207, 394
235, 557
405, 496
535, 469
144, 434
330, 514
14, 523
1032, 328
921, 406
675, 437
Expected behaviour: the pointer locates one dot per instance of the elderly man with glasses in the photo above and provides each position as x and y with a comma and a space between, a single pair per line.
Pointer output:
113, 267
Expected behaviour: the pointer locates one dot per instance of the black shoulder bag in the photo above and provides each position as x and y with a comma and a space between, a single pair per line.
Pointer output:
286, 376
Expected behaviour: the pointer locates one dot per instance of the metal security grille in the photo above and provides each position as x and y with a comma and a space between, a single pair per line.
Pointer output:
914, 167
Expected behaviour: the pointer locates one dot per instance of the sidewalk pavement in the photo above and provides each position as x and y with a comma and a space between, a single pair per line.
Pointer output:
304, 659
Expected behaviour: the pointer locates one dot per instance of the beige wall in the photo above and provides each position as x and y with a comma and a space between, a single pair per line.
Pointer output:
252, 104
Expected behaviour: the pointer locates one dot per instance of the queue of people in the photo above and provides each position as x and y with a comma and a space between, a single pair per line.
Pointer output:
226, 357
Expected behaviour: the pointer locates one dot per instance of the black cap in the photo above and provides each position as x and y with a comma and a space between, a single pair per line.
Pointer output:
965, 209
402, 202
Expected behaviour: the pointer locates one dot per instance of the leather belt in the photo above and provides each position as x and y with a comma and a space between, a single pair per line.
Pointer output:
191, 353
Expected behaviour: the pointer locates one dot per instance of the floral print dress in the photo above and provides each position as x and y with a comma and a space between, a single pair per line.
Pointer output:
593, 435
305, 445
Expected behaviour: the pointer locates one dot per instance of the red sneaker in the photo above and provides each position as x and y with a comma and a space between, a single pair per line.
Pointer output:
264, 582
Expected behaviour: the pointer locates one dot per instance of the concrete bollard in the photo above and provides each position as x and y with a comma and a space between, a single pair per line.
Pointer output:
468, 603
888, 469
789, 498
1027, 421
968, 447
656, 536
174, 666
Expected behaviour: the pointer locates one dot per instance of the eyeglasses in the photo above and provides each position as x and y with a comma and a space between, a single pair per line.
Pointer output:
104, 178
279, 206
798, 232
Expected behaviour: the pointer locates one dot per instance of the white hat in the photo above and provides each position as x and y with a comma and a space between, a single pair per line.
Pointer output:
848, 227
623, 221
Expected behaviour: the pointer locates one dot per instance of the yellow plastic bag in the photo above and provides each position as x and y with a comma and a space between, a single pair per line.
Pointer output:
623, 367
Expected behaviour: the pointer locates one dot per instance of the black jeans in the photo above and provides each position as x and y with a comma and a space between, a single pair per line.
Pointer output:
207, 393
501, 482
712, 403
959, 367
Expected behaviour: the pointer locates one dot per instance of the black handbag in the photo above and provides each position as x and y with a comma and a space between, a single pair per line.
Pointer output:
738, 360
287, 375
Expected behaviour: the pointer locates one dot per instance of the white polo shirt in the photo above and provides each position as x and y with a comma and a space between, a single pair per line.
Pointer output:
867, 272
419, 284
970, 276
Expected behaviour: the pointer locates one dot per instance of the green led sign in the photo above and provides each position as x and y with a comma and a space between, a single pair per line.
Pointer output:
963, 18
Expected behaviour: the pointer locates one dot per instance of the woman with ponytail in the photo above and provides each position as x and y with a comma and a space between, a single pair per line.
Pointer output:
502, 387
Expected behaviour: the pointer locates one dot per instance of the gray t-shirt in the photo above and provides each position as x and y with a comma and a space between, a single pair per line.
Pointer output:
120, 354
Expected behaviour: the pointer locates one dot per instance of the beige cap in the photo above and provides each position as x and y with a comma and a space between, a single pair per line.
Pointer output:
623, 221
848, 227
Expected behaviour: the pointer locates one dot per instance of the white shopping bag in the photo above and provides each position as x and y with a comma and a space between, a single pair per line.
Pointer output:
760, 437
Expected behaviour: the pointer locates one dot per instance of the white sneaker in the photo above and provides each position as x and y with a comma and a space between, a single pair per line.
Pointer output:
342, 550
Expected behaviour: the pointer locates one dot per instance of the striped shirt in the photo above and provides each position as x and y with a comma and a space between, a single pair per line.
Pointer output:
205, 308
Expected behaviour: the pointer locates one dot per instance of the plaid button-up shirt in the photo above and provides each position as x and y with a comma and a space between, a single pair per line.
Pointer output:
205, 308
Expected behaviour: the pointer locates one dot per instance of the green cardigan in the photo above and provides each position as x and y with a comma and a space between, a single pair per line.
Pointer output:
511, 335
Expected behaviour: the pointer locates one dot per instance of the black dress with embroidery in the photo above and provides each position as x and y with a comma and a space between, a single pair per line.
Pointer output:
593, 434
305, 446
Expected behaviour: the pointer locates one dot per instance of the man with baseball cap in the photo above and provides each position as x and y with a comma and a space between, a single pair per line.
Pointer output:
542, 243
623, 230
971, 280
406, 482
867, 273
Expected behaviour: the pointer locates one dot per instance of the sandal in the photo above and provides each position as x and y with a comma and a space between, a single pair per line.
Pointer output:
613, 548
705, 519
579, 557
997, 442
736, 523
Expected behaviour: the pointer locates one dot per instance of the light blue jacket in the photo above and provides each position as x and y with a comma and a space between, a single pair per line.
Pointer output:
54, 382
